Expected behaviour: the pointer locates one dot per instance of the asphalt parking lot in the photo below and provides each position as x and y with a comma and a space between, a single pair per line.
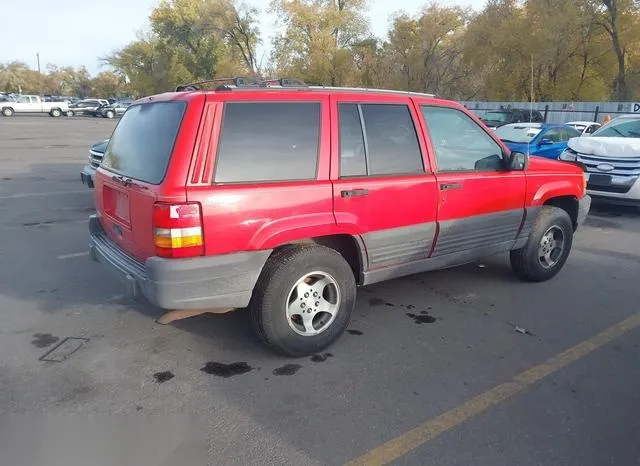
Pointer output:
432, 371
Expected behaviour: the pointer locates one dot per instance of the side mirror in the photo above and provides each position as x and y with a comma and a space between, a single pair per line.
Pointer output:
492, 162
545, 142
518, 161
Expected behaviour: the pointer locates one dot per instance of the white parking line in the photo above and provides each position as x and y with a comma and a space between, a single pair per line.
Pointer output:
51, 193
72, 255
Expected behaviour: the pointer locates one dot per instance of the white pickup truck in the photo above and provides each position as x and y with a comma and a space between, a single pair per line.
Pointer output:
33, 104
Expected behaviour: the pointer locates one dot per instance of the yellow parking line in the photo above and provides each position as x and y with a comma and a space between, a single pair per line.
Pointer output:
404, 443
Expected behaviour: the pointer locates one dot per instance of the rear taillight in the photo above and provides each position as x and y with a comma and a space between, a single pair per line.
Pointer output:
177, 230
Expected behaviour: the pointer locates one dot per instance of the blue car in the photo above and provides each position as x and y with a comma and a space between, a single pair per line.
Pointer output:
543, 140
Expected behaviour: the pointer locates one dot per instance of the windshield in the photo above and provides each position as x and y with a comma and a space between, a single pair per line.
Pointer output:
624, 128
518, 134
142, 143
495, 116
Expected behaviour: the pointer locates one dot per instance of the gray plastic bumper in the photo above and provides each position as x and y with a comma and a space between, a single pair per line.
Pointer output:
224, 281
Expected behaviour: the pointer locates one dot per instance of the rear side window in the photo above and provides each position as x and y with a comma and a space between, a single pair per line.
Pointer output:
268, 141
391, 147
142, 143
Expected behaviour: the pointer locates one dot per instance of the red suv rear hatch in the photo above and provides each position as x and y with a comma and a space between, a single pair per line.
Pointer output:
135, 173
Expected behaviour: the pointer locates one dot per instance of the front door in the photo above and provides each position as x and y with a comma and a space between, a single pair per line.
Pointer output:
550, 143
481, 204
384, 191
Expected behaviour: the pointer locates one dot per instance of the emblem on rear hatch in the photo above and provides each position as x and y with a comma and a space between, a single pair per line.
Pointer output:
605, 167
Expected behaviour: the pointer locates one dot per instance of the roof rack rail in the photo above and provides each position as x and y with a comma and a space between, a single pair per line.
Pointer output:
239, 81
242, 81
284, 82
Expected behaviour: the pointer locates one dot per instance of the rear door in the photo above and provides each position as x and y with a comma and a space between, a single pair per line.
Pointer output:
481, 204
384, 190
135, 172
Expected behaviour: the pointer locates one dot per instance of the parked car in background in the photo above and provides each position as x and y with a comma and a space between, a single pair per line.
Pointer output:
33, 104
254, 197
586, 128
544, 140
611, 157
116, 109
496, 118
96, 152
86, 107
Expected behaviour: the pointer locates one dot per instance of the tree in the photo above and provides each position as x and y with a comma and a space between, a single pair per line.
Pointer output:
319, 38
619, 18
106, 84
428, 50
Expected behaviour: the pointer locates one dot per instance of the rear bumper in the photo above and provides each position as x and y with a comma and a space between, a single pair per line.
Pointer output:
224, 281
87, 175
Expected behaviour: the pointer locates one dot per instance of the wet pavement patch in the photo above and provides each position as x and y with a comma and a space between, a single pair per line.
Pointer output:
220, 369
287, 369
354, 332
422, 318
321, 357
162, 377
64, 349
42, 340
376, 302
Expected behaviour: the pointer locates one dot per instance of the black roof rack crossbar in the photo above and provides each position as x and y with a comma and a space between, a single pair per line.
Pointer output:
242, 81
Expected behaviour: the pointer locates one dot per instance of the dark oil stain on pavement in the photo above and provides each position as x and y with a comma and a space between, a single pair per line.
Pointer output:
376, 302
321, 357
287, 369
354, 332
42, 340
162, 377
220, 369
389, 304
39, 224
421, 319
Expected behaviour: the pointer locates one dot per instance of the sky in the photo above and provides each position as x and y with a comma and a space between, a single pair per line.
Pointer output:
79, 32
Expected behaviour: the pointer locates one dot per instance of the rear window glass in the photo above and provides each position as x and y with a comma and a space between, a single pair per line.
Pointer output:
268, 141
141, 145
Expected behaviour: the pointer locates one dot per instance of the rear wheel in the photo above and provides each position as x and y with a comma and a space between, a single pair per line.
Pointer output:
548, 246
70, 113
55, 112
303, 300
109, 114
7, 111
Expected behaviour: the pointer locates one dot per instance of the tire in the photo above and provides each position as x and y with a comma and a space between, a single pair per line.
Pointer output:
70, 113
55, 112
7, 111
296, 268
540, 260
109, 114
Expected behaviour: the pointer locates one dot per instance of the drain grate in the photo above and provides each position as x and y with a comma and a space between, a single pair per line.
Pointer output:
64, 349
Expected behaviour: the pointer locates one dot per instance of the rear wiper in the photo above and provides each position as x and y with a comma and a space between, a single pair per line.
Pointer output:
127, 182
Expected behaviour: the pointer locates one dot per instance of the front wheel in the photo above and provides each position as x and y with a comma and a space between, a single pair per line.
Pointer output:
303, 300
548, 246
109, 114
55, 113
7, 111
70, 113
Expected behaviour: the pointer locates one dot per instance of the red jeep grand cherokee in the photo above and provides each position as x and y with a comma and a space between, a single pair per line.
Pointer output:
285, 199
